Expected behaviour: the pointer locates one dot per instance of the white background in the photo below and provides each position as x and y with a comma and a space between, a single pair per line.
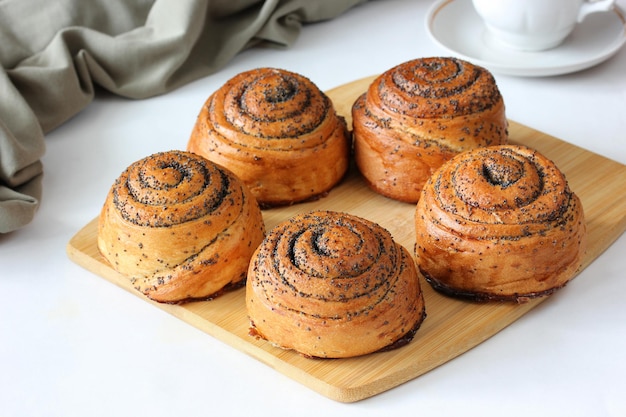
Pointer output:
73, 344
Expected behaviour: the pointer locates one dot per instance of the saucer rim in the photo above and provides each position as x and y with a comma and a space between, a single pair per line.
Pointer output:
586, 61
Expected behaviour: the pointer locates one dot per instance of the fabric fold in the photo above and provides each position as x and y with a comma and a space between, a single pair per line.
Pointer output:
133, 48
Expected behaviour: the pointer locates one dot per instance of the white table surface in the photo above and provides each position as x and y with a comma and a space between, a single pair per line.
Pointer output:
73, 344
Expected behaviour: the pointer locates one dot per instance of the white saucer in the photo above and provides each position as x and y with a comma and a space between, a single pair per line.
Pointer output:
456, 27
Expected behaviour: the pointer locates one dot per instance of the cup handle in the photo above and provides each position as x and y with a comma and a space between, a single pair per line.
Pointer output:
589, 7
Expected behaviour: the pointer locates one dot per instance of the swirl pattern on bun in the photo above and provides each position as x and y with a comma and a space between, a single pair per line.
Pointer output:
331, 285
499, 223
180, 227
277, 132
419, 114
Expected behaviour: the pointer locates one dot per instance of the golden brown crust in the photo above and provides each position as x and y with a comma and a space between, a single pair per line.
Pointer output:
277, 132
418, 115
499, 223
333, 285
180, 227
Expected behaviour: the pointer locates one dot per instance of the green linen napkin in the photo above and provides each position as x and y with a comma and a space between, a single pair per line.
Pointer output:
55, 53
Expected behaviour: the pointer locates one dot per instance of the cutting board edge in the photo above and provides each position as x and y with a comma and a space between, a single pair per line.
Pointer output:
345, 393
339, 392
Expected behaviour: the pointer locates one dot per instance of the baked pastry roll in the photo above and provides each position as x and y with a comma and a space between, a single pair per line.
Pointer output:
499, 223
332, 285
277, 132
418, 115
179, 227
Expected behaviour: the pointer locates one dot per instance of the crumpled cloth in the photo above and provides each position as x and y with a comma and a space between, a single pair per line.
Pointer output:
55, 53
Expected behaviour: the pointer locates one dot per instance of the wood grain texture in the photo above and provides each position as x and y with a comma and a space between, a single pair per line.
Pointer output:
451, 328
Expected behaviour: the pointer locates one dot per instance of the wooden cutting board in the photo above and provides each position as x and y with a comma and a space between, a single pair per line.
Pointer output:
451, 328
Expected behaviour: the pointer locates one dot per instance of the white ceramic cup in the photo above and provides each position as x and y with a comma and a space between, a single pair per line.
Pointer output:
535, 25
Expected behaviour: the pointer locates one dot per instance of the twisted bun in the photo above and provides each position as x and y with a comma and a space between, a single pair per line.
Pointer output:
499, 223
331, 285
418, 115
180, 227
277, 132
